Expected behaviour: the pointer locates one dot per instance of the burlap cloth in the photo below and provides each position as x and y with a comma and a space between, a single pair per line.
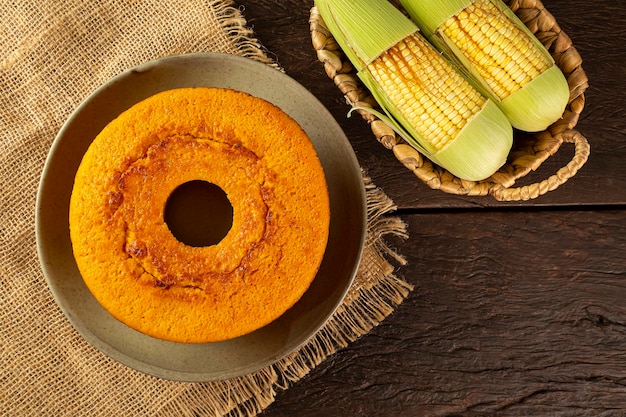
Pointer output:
53, 54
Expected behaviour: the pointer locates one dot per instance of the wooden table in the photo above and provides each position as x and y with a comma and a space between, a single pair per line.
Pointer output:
519, 308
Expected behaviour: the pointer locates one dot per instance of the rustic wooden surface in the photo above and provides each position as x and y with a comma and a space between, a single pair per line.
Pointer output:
519, 309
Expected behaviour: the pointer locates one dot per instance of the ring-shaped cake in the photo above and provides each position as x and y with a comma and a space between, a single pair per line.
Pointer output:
148, 279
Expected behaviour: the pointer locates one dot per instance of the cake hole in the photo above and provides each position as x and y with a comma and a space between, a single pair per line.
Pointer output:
198, 213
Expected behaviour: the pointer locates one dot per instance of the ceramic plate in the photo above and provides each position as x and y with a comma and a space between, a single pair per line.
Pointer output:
211, 361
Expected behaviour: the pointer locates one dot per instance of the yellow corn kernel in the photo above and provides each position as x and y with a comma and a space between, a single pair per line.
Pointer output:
421, 97
502, 54
431, 95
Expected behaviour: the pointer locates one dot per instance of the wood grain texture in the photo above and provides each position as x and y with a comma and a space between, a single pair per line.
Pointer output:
519, 309
597, 31
505, 320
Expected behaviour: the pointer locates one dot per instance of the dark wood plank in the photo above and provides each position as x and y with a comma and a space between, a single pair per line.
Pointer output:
516, 311
597, 31
513, 314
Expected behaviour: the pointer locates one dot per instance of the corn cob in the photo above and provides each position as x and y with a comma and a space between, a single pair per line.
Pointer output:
503, 58
395, 71
428, 103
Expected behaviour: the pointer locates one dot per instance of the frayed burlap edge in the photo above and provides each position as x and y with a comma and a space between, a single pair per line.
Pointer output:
236, 27
375, 293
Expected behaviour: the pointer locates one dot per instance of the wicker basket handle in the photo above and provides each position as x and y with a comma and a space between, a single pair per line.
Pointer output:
527, 192
499, 186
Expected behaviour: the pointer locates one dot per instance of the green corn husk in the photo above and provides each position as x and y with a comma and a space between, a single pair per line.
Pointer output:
535, 106
367, 29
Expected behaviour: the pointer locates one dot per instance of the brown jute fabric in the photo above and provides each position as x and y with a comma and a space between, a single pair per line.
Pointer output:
53, 54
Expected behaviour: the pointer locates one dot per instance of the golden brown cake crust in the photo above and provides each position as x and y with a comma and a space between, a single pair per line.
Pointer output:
157, 285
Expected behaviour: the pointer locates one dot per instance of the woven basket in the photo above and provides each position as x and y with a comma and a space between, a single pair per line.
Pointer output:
529, 151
